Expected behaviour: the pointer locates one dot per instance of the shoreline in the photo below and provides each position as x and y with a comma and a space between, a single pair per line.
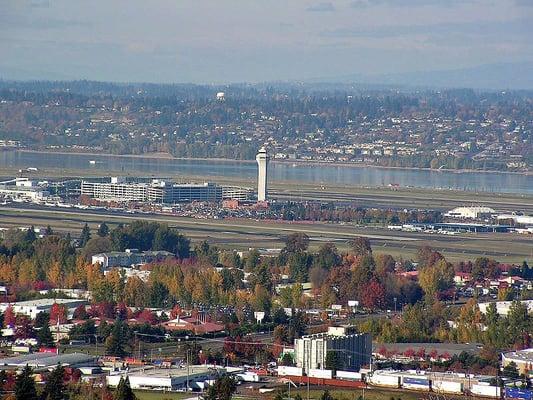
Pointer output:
166, 156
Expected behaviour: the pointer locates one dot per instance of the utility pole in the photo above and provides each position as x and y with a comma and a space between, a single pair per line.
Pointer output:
187, 360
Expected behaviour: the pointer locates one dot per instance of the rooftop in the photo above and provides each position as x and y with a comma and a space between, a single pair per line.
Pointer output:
525, 355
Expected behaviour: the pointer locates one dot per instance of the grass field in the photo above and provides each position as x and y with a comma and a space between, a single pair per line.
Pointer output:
146, 395
240, 233
369, 394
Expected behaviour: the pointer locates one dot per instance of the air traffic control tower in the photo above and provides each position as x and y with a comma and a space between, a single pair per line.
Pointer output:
262, 164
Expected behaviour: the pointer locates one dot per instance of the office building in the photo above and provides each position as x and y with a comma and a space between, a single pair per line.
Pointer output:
161, 192
353, 349
129, 257
262, 174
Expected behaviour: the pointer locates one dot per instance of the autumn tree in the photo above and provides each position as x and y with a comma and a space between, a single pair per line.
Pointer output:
58, 314
436, 277
361, 246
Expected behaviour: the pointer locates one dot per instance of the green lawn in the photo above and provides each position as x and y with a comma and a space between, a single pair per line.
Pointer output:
147, 395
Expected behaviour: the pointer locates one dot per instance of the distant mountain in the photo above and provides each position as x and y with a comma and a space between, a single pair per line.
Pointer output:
514, 76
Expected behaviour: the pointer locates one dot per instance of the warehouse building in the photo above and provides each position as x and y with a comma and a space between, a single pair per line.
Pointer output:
33, 307
522, 358
353, 349
193, 377
46, 361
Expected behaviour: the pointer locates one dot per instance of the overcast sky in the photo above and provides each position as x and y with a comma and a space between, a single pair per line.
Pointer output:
256, 40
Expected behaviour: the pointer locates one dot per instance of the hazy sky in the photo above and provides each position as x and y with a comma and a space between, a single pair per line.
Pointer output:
256, 40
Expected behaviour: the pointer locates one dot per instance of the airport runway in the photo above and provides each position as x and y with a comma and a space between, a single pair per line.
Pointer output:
244, 233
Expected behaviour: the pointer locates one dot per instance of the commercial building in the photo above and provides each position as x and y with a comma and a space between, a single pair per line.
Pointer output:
168, 379
33, 307
353, 349
470, 213
129, 257
23, 189
44, 361
522, 358
160, 191
503, 307
262, 174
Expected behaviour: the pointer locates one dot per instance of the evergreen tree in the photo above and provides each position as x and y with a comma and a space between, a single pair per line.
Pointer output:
55, 386
124, 391
44, 335
116, 341
85, 235
49, 231
25, 385
103, 230
326, 395
222, 389
3, 380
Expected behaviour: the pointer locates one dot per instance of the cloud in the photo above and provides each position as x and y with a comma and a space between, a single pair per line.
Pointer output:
408, 3
516, 27
321, 7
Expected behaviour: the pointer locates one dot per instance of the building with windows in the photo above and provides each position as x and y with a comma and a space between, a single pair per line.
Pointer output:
262, 174
523, 360
129, 257
161, 192
353, 349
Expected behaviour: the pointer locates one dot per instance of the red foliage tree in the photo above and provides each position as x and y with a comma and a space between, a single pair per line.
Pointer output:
24, 328
58, 314
373, 295
147, 316
176, 312
106, 310
9, 317
409, 352
80, 312
421, 353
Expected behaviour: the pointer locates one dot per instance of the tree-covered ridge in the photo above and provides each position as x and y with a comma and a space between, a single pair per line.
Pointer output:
451, 128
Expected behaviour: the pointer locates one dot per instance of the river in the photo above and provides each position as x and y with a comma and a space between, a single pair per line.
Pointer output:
278, 171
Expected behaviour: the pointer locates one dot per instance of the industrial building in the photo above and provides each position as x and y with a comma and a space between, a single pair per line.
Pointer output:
262, 174
353, 349
522, 358
193, 377
129, 257
503, 307
33, 307
45, 361
470, 213
23, 189
160, 191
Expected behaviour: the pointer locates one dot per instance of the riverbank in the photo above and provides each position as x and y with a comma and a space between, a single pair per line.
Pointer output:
296, 163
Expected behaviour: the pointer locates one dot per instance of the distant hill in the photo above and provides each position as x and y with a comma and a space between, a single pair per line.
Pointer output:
516, 76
